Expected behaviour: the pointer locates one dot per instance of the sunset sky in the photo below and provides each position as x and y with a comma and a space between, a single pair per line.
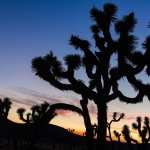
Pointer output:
30, 28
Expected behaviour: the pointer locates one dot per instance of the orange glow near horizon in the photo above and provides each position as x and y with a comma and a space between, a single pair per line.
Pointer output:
74, 121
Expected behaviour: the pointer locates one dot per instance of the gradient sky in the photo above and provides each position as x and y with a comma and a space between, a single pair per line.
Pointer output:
30, 28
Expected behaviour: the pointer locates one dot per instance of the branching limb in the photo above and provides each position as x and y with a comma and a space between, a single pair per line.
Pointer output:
115, 118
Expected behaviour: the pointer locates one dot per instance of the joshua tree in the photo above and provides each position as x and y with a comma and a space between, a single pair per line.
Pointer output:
103, 85
117, 134
38, 114
127, 136
5, 106
21, 112
94, 129
115, 118
144, 132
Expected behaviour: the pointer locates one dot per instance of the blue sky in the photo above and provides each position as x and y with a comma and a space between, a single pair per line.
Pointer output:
30, 28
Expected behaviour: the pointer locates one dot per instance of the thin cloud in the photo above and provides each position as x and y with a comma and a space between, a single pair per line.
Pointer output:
28, 97
37, 96
65, 112
33, 97
131, 118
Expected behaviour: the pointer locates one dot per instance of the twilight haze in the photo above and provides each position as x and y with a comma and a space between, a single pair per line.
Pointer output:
30, 28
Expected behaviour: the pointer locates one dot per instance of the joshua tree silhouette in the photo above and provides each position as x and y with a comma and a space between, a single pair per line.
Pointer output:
127, 136
144, 132
115, 118
103, 85
5, 106
6, 125
118, 135
38, 114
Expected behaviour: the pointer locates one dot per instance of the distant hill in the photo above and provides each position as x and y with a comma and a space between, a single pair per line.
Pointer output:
50, 133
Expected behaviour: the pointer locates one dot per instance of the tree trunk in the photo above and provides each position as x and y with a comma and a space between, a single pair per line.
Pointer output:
88, 125
109, 130
102, 126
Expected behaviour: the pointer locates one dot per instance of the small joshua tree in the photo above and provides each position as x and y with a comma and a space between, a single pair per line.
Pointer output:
115, 118
5, 106
143, 131
21, 112
117, 135
94, 126
127, 135
38, 114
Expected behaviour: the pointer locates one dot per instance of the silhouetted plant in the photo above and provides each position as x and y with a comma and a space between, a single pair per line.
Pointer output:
38, 114
94, 126
21, 112
127, 135
117, 135
103, 85
71, 130
143, 131
115, 118
87, 121
5, 106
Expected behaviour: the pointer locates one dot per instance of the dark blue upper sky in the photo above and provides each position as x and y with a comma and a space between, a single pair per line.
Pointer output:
30, 28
